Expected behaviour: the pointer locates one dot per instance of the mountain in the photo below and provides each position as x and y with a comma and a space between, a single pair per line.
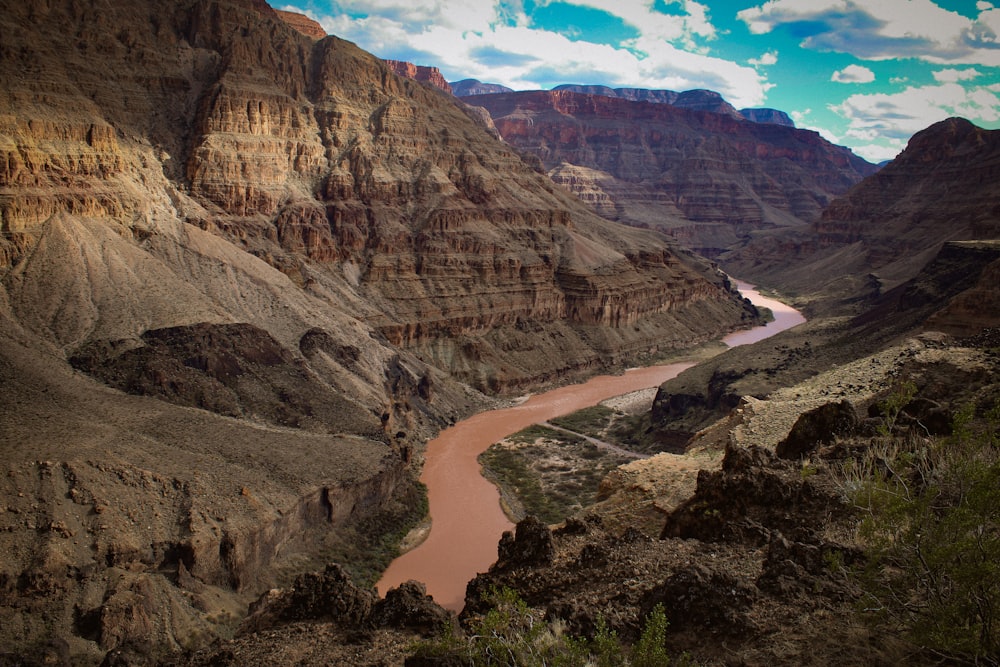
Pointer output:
245, 274
709, 179
476, 87
302, 23
422, 73
881, 232
699, 99
764, 115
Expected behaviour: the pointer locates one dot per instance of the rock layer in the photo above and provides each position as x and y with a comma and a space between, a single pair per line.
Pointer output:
710, 179
301, 252
942, 188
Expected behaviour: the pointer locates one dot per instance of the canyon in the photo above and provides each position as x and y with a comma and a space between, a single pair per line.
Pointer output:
709, 179
247, 270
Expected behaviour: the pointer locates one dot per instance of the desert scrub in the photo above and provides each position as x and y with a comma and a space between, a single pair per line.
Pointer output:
931, 530
512, 634
553, 477
365, 546
592, 421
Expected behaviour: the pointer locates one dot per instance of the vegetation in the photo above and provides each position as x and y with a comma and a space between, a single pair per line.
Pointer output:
931, 528
592, 421
366, 546
515, 635
551, 475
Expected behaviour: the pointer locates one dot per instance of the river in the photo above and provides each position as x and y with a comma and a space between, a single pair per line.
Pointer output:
465, 507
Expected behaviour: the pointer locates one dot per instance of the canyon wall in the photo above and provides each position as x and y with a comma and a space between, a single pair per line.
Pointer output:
710, 179
879, 234
244, 273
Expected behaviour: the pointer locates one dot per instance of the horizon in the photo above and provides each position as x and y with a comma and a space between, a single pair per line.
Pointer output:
865, 75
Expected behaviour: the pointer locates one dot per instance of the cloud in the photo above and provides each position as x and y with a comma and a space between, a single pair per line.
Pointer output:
956, 75
501, 46
854, 74
896, 117
684, 28
885, 29
769, 58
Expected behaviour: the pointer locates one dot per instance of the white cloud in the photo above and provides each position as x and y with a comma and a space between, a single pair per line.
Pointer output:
878, 152
656, 25
501, 47
898, 116
885, 29
853, 74
769, 58
955, 75
984, 6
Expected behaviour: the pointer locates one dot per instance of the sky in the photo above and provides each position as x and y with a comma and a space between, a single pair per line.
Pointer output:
866, 74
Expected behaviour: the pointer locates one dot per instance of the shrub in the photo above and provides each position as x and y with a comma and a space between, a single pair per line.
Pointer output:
931, 526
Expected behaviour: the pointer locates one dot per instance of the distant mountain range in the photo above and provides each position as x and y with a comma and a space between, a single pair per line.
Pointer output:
701, 100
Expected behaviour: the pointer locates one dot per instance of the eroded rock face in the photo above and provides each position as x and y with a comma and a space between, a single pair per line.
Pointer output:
941, 188
672, 165
422, 73
201, 203
302, 23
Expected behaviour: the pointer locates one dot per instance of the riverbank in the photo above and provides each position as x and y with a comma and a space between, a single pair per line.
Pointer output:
465, 507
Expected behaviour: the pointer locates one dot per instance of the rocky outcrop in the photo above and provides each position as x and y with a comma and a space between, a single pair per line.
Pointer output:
302, 23
764, 115
941, 188
743, 566
422, 73
817, 427
710, 179
476, 87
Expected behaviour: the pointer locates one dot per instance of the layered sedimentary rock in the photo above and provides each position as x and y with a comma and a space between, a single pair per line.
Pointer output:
708, 178
942, 187
268, 258
700, 100
302, 23
765, 115
476, 87
422, 73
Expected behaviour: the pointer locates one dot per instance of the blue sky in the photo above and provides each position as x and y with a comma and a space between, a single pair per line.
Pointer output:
864, 73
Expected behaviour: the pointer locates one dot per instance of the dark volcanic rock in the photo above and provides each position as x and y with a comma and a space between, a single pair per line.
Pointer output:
408, 607
529, 545
819, 426
700, 597
328, 595
234, 370
753, 495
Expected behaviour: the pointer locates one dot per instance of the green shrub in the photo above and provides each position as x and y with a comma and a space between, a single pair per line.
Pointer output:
931, 526
513, 634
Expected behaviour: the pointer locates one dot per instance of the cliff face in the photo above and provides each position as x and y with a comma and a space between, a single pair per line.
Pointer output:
708, 178
943, 187
297, 251
476, 87
422, 73
302, 23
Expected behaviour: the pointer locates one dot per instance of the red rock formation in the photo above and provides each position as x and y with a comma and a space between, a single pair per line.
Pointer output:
422, 73
200, 203
943, 187
708, 178
302, 23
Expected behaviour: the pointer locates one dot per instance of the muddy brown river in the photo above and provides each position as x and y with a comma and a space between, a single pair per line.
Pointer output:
467, 520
